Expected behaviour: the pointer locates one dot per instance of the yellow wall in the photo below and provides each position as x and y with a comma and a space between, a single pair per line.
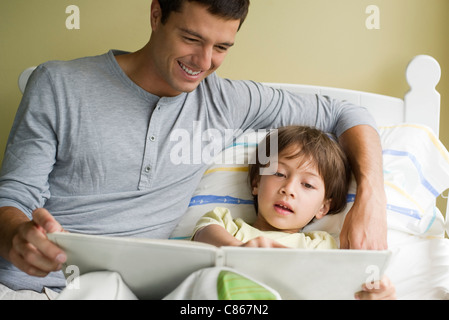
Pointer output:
322, 42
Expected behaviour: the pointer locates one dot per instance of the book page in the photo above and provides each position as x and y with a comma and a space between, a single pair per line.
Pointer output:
151, 268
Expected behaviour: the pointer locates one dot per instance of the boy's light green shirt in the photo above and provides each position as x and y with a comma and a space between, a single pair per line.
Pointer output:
244, 232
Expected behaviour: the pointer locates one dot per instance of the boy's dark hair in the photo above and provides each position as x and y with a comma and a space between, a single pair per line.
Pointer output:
312, 145
228, 9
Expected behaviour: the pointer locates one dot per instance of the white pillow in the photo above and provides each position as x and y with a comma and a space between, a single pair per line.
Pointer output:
416, 171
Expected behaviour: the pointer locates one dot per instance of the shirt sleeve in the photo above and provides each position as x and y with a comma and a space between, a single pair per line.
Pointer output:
31, 147
320, 240
219, 216
256, 106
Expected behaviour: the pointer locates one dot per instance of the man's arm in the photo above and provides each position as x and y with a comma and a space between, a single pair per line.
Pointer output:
24, 243
365, 226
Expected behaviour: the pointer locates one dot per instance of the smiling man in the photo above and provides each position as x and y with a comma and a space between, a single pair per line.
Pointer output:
89, 150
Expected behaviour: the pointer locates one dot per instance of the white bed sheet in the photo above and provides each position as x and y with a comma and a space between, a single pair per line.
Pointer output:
419, 267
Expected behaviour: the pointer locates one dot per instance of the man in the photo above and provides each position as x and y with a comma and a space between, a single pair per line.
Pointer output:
90, 147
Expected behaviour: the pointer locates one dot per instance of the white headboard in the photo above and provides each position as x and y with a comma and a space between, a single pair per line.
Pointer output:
420, 105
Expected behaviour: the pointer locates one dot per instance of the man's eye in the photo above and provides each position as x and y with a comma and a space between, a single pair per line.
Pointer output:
222, 48
190, 39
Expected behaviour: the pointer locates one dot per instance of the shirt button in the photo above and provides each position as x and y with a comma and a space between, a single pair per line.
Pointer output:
152, 138
147, 169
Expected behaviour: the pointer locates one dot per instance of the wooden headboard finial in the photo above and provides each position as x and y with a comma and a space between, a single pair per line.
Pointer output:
423, 100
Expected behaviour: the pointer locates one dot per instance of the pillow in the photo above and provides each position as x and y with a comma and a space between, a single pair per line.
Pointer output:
416, 171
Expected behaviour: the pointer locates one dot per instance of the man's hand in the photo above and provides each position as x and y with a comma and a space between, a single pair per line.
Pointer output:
380, 290
365, 225
31, 251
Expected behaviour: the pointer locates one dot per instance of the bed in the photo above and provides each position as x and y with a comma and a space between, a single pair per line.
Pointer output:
416, 171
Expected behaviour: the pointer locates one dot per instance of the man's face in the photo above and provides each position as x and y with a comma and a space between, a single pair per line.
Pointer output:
189, 46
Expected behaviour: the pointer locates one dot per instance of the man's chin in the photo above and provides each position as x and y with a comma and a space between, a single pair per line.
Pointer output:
188, 87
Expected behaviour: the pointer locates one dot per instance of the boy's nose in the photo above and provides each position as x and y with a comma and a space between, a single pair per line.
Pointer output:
288, 190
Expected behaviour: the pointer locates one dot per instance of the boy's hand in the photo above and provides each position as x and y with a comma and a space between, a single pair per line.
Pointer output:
262, 242
380, 290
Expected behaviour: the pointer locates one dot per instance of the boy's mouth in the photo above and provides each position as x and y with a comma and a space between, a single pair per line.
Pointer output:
283, 208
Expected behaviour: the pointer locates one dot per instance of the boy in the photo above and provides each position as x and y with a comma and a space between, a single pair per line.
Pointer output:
311, 180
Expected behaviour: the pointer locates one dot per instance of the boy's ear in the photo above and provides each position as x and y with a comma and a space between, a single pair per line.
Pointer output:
254, 190
254, 186
324, 209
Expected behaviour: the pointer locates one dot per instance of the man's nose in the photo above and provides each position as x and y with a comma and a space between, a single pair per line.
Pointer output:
203, 58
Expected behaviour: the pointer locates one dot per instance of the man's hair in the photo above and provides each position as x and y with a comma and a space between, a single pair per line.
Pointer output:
228, 9
321, 150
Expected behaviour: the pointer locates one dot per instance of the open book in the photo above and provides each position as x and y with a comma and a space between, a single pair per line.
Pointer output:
154, 268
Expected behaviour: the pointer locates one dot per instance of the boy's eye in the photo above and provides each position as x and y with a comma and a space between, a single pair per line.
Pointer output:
307, 185
278, 174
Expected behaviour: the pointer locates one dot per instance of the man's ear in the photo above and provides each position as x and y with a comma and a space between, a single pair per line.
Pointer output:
156, 14
324, 209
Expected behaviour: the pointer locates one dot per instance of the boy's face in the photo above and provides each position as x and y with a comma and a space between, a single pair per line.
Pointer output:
291, 197
191, 45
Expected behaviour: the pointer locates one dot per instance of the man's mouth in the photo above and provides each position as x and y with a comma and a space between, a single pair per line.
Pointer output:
187, 70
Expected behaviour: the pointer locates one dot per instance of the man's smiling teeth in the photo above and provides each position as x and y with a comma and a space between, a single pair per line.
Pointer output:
191, 72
